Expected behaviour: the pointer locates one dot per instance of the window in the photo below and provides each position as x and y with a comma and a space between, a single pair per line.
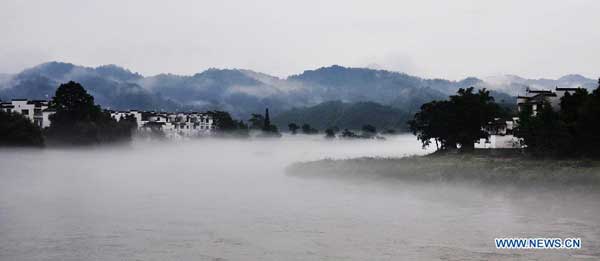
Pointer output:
26, 112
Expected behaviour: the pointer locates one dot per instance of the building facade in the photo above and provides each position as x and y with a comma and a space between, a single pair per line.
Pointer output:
535, 98
173, 125
501, 135
36, 110
501, 130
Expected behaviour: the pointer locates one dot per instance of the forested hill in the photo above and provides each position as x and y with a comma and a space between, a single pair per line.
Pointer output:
345, 116
243, 92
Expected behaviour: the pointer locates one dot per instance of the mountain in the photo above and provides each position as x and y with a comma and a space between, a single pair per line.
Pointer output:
515, 85
112, 87
243, 92
391, 88
345, 116
240, 92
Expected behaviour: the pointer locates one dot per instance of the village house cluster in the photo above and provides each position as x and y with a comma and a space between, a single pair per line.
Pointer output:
173, 125
501, 130
35, 110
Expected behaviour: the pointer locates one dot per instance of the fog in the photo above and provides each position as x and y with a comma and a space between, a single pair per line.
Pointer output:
232, 200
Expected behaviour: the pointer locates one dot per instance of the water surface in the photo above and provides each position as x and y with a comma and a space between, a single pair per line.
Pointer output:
231, 200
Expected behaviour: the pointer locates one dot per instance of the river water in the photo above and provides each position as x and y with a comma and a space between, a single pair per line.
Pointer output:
232, 200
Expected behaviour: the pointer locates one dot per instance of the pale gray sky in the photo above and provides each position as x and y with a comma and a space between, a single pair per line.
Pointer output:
448, 39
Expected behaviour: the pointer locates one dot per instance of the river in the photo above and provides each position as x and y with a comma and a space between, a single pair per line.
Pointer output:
232, 200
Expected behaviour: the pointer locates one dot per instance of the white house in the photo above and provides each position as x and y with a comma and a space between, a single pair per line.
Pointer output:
36, 110
501, 130
534, 98
500, 135
174, 125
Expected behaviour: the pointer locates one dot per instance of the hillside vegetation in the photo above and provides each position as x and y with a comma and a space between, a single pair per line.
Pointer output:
345, 116
243, 92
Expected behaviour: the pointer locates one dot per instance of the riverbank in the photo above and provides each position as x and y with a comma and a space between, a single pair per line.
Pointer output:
486, 169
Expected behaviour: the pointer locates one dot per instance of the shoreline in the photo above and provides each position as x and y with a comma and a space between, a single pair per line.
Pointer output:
472, 168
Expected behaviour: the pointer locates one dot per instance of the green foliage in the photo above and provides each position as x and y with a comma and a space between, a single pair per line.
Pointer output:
368, 131
223, 121
18, 130
225, 125
268, 128
455, 122
307, 129
78, 121
572, 131
329, 133
545, 133
349, 134
346, 116
293, 128
257, 121
588, 125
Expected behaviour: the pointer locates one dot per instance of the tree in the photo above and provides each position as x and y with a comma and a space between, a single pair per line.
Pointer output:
472, 112
18, 130
293, 128
329, 133
368, 131
223, 120
257, 122
571, 105
587, 127
349, 134
268, 128
78, 121
456, 122
432, 122
572, 131
225, 125
307, 129
544, 134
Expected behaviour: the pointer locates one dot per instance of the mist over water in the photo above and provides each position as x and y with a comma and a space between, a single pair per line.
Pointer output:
232, 200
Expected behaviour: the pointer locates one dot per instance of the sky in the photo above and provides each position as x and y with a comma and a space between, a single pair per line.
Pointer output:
442, 39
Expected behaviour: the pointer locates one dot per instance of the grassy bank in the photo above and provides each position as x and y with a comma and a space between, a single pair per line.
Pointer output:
469, 168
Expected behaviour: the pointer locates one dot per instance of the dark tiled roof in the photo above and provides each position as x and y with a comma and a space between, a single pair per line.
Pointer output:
568, 89
539, 91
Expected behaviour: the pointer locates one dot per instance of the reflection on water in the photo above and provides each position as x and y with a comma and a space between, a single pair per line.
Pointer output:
231, 200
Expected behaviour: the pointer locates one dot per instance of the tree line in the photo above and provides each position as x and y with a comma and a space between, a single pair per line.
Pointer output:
77, 121
572, 130
227, 126
456, 124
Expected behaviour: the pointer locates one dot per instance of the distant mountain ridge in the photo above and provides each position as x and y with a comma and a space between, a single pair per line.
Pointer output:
243, 92
515, 85
345, 116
